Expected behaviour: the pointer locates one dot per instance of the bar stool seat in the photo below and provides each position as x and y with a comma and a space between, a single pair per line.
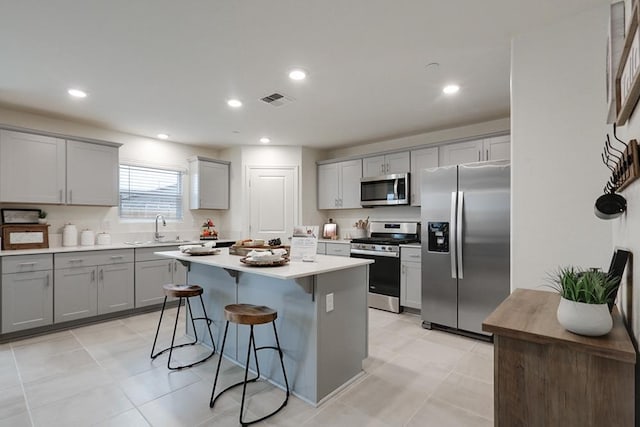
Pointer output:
183, 292
251, 315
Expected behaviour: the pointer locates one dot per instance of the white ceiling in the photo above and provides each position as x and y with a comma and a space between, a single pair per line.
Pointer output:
155, 66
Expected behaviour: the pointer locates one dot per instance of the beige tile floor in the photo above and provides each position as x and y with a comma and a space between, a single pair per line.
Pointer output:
102, 375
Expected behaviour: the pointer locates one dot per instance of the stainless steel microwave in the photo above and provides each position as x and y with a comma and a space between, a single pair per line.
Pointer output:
385, 190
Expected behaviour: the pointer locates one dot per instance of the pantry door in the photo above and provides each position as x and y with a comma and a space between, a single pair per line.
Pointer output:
273, 201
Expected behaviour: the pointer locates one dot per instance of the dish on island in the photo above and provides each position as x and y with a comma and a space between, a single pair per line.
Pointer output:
264, 263
201, 251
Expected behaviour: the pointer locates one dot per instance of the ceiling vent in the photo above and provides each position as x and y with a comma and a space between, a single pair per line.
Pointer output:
277, 99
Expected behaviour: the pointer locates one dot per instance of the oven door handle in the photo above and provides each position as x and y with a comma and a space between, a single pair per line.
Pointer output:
375, 253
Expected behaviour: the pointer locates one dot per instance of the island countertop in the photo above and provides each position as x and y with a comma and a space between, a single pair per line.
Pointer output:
291, 270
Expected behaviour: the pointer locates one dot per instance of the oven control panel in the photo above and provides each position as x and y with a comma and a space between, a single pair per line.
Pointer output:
438, 237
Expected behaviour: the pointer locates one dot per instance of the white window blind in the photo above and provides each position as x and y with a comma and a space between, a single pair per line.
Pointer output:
146, 192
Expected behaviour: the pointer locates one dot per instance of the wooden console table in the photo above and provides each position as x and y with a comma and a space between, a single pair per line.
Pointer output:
547, 376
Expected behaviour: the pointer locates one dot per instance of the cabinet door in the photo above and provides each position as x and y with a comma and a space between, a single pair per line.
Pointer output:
27, 300
32, 168
115, 287
350, 175
462, 152
497, 148
374, 166
397, 163
92, 174
150, 277
322, 248
212, 186
421, 159
411, 285
328, 186
76, 293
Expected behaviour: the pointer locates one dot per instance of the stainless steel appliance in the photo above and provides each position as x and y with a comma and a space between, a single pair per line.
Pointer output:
465, 244
385, 190
383, 246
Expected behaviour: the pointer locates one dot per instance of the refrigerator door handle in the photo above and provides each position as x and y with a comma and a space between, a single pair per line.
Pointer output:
459, 234
453, 232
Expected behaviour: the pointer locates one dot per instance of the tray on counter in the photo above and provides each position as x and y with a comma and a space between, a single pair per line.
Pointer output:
244, 250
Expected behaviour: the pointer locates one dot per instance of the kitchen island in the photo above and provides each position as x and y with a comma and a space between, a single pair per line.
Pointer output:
322, 315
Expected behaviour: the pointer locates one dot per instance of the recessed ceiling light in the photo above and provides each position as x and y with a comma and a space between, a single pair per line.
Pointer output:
234, 103
451, 89
297, 74
163, 136
77, 93
265, 140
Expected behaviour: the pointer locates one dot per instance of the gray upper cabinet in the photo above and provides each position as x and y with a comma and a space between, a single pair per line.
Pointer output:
421, 159
43, 169
339, 185
92, 174
209, 181
32, 168
27, 292
386, 164
492, 148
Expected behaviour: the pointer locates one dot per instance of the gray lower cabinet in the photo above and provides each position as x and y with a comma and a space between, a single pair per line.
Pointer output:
27, 292
76, 294
115, 287
152, 272
334, 248
92, 282
410, 277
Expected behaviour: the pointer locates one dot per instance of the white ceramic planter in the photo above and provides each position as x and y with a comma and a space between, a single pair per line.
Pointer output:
584, 319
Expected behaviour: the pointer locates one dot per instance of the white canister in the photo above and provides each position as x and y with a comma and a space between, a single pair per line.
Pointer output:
87, 238
104, 239
69, 235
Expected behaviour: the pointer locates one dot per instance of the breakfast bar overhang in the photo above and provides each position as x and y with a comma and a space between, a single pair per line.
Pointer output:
323, 346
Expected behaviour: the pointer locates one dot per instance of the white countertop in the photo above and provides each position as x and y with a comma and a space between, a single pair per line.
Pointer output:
60, 249
292, 270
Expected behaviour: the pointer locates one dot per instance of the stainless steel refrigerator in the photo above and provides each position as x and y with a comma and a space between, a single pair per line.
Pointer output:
465, 244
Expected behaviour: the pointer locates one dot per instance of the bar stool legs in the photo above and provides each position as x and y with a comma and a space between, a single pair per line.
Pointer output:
175, 327
252, 344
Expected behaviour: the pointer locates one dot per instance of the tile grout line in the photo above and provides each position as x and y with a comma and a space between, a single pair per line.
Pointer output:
24, 394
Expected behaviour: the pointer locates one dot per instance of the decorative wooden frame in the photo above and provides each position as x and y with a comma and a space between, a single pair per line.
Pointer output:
31, 236
20, 216
628, 75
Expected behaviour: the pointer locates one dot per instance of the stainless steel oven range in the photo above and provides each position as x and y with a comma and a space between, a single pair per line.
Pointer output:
383, 246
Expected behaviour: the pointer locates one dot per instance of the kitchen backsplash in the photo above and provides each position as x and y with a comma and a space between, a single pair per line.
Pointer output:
105, 219
346, 218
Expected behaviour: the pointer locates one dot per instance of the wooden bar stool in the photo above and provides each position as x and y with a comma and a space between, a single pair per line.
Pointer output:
183, 292
247, 314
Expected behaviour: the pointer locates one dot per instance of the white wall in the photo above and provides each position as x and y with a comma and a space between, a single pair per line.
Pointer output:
558, 109
270, 156
135, 149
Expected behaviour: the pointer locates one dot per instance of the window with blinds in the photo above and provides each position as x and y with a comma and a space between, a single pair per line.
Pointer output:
146, 192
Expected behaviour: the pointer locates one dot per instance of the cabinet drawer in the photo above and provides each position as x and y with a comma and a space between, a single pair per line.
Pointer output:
146, 254
89, 258
339, 249
26, 263
410, 254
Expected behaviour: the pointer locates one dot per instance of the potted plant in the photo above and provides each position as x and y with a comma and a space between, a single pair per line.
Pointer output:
584, 298
42, 217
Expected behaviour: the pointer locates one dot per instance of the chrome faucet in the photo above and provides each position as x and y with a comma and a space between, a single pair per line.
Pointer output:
157, 236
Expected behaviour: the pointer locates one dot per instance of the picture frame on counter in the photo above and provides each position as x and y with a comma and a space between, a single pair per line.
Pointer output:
20, 216
25, 236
